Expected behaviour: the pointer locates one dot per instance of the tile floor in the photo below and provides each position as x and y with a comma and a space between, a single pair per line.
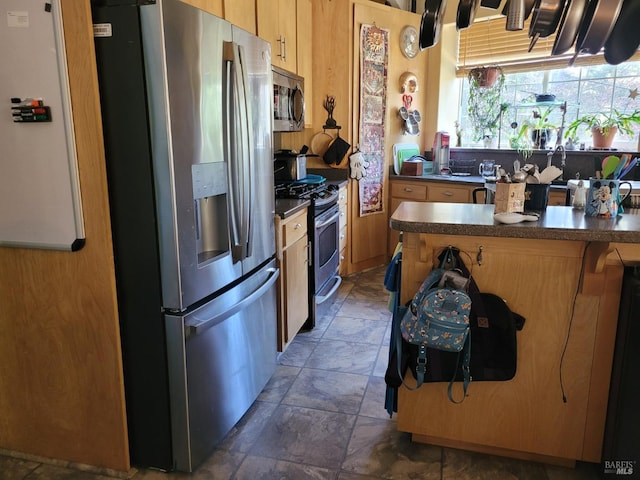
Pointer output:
322, 416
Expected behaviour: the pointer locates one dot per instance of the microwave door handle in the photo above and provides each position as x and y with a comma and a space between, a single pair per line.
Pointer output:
292, 105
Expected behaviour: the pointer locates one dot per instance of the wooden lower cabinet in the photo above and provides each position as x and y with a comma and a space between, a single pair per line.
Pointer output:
557, 197
292, 252
344, 220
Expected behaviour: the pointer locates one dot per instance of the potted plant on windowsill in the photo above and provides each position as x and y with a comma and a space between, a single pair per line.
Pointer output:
604, 126
537, 129
485, 106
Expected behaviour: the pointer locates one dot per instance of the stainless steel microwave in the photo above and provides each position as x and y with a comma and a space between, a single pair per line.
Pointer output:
288, 101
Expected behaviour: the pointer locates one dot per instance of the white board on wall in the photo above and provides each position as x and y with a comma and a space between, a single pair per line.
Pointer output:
40, 204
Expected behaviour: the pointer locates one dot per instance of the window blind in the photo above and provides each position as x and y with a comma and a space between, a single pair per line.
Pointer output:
487, 43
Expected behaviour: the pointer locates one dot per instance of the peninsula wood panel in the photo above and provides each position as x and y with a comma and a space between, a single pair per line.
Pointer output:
60, 361
527, 415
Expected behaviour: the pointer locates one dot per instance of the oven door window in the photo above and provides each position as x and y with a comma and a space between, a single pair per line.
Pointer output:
327, 246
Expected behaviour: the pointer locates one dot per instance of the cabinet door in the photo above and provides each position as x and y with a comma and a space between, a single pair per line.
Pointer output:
277, 24
297, 281
344, 220
212, 6
558, 198
241, 13
304, 49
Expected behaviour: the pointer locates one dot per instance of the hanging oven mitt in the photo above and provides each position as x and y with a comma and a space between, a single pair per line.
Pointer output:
358, 165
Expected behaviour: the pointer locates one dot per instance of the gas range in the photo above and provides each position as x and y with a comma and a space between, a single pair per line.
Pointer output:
323, 225
314, 188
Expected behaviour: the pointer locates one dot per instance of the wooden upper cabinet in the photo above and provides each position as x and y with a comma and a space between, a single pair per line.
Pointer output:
277, 24
304, 25
241, 13
212, 6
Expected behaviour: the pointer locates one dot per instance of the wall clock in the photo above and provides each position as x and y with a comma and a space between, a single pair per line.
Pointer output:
409, 41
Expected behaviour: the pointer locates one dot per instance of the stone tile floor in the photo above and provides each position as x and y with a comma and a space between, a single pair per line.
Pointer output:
322, 416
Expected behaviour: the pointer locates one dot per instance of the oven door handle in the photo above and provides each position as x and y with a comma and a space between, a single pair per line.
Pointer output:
331, 219
324, 298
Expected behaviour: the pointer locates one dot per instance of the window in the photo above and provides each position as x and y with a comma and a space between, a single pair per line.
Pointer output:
586, 89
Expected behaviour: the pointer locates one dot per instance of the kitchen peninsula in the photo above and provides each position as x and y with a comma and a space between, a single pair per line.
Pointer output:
564, 275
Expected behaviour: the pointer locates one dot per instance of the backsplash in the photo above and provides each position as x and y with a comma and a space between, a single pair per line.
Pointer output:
580, 161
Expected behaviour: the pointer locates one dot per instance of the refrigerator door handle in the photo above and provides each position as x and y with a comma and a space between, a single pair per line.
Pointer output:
202, 325
241, 148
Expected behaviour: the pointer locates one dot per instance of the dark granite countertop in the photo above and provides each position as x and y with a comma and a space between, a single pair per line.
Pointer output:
286, 207
556, 223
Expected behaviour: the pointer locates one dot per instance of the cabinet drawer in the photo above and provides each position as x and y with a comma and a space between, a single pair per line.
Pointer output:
343, 238
342, 196
447, 193
343, 217
295, 228
411, 191
558, 198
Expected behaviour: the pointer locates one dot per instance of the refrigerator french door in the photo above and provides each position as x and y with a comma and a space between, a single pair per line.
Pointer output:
186, 104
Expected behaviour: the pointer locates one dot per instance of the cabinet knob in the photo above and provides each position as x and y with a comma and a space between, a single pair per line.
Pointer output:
447, 194
342, 236
297, 226
408, 189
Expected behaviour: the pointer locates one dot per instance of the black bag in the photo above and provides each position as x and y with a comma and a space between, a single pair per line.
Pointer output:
493, 348
494, 352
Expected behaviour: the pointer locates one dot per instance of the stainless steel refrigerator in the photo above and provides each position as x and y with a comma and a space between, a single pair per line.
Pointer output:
186, 103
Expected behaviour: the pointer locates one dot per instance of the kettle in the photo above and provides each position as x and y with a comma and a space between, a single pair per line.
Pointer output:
289, 165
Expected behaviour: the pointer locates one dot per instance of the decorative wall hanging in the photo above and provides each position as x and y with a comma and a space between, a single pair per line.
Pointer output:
374, 54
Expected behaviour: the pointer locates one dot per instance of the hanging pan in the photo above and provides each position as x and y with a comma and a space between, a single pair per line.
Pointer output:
466, 13
431, 22
528, 6
625, 36
569, 26
599, 19
546, 15
495, 4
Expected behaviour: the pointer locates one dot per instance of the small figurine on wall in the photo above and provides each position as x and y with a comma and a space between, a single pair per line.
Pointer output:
329, 105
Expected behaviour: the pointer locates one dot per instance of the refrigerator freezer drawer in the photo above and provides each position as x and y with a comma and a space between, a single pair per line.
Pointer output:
220, 358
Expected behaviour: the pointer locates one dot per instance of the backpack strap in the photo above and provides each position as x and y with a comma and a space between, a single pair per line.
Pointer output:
398, 337
466, 371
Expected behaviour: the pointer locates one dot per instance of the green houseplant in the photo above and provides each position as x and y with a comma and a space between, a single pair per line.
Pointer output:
538, 128
485, 106
604, 126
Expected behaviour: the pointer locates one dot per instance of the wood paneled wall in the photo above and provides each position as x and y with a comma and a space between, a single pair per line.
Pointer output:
61, 382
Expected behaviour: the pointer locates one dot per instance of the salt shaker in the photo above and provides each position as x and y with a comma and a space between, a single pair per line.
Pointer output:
580, 196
